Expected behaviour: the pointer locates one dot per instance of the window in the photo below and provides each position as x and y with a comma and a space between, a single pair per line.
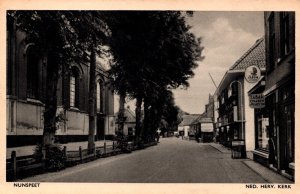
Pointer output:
235, 88
98, 97
288, 122
74, 88
32, 73
284, 34
263, 132
9, 54
271, 42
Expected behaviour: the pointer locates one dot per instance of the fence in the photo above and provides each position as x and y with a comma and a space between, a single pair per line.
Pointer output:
18, 167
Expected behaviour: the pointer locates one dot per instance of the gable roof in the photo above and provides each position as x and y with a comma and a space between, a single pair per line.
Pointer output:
189, 119
129, 114
254, 56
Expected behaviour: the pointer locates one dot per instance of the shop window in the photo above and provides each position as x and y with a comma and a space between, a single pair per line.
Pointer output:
263, 133
290, 132
74, 88
32, 73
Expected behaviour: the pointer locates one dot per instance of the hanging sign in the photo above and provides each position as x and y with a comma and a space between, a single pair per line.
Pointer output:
256, 100
252, 74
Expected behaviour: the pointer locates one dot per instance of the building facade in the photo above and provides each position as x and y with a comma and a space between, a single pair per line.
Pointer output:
235, 116
189, 125
129, 123
206, 122
26, 92
279, 90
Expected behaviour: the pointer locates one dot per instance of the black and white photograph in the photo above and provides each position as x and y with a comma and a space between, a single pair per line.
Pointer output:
150, 96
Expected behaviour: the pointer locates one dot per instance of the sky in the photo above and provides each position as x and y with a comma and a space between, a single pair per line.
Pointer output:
226, 36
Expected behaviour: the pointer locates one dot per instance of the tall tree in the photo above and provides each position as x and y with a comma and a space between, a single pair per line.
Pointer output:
154, 50
92, 33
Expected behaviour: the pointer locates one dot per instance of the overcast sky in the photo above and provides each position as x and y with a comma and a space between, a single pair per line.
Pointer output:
226, 36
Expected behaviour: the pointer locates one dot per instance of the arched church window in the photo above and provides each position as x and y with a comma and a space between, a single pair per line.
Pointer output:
32, 60
74, 88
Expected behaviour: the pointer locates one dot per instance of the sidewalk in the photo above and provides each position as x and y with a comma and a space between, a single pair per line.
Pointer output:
221, 148
266, 173
71, 146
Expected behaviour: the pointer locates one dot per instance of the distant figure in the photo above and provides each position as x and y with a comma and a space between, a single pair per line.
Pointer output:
157, 134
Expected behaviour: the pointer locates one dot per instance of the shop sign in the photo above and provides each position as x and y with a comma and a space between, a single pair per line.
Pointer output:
238, 142
256, 100
252, 74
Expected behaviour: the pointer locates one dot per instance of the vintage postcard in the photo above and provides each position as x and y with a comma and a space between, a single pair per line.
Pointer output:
149, 97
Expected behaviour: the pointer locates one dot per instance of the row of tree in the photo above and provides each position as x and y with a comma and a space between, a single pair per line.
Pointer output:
153, 53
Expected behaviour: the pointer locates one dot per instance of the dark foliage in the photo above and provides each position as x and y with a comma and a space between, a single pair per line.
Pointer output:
54, 157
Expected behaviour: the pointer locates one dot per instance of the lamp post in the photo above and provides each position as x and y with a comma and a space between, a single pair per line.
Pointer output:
242, 105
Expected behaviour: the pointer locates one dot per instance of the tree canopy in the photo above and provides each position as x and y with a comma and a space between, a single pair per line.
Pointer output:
153, 52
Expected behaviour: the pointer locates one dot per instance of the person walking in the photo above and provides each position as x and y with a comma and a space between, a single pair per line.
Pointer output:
157, 134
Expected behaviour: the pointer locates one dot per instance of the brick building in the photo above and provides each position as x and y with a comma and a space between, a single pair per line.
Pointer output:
26, 89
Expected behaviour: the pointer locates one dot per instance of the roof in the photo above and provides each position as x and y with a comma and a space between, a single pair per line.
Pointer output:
189, 119
129, 114
205, 120
254, 56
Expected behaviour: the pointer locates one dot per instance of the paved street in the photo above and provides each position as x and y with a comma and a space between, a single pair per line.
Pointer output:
173, 160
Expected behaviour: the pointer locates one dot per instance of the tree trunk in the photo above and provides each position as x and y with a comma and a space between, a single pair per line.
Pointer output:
92, 97
121, 114
153, 123
146, 121
138, 116
50, 100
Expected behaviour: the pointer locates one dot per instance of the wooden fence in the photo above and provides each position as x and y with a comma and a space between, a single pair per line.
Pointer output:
19, 166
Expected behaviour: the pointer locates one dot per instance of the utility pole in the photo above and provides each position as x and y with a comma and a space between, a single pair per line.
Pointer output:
212, 80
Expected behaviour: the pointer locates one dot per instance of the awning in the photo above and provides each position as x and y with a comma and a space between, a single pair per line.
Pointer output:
207, 127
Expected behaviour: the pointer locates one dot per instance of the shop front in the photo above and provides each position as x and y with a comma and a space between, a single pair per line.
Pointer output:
263, 142
281, 106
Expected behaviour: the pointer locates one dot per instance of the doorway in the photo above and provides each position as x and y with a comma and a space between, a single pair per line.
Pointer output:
100, 126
